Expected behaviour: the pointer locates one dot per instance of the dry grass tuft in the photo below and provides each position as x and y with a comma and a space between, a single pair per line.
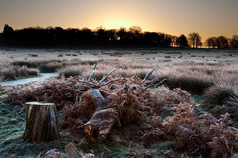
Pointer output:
29, 64
219, 94
72, 71
58, 91
224, 98
50, 67
15, 72
191, 84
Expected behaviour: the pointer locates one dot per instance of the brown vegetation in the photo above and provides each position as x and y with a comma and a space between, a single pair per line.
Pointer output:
9, 72
166, 113
201, 135
50, 67
61, 92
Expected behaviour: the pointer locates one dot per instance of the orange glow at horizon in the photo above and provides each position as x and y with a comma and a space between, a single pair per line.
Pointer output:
117, 24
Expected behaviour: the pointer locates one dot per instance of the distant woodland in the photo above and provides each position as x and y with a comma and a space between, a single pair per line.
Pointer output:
133, 37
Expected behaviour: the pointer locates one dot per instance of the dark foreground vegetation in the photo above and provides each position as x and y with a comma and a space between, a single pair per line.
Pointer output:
101, 38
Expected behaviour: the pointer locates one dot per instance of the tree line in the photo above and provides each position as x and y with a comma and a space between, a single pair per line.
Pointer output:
106, 38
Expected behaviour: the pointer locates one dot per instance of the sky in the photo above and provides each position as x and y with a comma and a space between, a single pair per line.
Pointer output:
206, 17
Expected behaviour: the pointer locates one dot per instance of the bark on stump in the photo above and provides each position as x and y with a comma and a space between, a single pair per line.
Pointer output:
102, 120
41, 122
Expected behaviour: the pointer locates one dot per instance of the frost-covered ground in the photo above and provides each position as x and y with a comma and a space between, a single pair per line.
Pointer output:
15, 54
213, 64
41, 78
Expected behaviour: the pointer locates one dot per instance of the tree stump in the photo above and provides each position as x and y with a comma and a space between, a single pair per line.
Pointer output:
102, 120
41, 122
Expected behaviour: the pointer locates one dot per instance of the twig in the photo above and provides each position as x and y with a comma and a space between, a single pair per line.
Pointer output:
85, 88
155, 79
94, 67
153, 83
90, 83
129, 147
159, 83
112, 81
105, 77
148, 74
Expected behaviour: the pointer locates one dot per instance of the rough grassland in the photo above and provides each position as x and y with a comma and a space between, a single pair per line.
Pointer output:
197, 71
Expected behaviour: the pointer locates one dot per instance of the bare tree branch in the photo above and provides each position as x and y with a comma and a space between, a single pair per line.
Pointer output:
155, 79
151, 83
148, 74
160, 83
94, 67
105, 77
112, 81
90, 83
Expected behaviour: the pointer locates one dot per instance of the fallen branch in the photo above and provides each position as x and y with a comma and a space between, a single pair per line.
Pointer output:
153, 83
102, 120
113, 81
159, 83
105, 77
147, 75
155, 79
94, 67
90, 83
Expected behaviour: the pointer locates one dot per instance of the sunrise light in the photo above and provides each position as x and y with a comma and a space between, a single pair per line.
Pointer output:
117, 24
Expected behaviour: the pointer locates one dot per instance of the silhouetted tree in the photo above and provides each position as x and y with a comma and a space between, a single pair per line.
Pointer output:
211, 42
173, 41
100, 37
234, 41
152, 39
167, 40
182, 41
135, 30
86, 36
7, 30
194, 39
8, 33
135, 34
222, 42
122, 33
112, 35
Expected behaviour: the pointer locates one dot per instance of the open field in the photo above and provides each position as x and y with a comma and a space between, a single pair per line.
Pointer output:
16, 54
161, 121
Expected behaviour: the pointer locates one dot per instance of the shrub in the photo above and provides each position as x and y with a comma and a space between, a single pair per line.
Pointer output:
29, 64
50, 67
191, 84
34, 55
219, 94
16, 72
54, 90
71, 72
224, 99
